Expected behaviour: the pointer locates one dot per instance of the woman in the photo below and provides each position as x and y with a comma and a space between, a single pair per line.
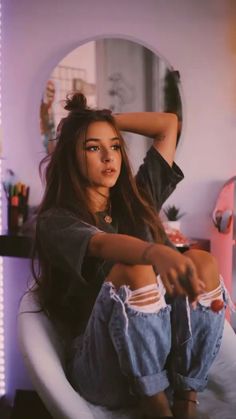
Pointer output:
108, 276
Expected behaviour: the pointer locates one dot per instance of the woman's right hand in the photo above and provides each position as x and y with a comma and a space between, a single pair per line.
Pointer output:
178, 272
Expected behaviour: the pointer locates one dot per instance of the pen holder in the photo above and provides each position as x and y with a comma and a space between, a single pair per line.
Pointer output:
17, 215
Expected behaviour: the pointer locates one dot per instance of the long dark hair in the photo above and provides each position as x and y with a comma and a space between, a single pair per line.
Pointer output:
66, 188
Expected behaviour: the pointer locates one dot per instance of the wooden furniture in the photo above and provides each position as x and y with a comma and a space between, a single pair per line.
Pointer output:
203, 244
16, 246
20, 246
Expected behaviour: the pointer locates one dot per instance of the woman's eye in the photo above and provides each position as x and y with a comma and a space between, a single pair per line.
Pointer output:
92, 148
116, 147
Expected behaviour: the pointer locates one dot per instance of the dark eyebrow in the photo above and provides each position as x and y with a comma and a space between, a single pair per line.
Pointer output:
98, 139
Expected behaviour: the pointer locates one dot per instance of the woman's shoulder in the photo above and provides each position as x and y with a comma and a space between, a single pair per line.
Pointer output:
157, 177
157, 161
53, 214
58, 218
56, 212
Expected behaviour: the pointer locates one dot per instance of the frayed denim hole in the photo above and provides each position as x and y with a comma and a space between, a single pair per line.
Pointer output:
146, 300
206, 299
204, 308
132, 312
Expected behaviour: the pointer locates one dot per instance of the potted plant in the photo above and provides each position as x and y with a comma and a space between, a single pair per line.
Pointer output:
173, 216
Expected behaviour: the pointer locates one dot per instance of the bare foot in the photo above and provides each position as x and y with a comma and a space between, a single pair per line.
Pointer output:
156, 406
185, 406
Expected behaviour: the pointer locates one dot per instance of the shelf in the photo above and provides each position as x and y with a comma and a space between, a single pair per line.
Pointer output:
15, 246
195, 243
203, 244
20, 246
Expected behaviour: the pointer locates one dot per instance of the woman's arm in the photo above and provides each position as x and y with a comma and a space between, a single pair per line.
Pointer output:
170, 264
160, 126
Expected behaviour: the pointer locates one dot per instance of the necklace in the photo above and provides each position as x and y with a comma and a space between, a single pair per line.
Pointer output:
108, 217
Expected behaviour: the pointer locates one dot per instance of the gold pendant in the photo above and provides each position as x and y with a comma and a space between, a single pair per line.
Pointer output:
108, 219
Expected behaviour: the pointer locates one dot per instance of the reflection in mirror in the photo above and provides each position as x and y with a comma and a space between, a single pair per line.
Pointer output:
116, 74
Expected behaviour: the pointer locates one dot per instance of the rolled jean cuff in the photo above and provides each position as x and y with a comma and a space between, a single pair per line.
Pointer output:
150, 384
188, 383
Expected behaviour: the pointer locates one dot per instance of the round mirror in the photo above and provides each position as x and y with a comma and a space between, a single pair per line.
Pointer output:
118, 74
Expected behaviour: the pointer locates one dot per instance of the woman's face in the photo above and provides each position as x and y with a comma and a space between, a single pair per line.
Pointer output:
99, 156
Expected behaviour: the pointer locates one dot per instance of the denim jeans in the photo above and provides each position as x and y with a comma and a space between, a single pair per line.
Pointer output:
125, 353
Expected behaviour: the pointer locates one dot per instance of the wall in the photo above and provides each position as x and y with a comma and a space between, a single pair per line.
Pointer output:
196, 37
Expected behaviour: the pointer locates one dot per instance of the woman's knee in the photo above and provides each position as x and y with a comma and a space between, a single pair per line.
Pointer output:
207, 267
145, 295
135, 276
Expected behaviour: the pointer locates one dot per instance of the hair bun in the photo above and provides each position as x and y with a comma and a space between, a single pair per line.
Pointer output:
76, 102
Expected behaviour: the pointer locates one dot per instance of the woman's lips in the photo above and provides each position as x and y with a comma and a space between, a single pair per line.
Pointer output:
108, 172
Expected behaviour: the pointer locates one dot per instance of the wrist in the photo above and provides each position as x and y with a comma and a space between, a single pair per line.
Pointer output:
149, 253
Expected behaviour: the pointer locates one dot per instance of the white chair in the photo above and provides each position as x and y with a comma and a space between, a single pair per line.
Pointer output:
43, 356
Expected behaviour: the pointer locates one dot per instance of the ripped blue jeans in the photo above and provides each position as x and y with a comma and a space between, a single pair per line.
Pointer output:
130, 349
